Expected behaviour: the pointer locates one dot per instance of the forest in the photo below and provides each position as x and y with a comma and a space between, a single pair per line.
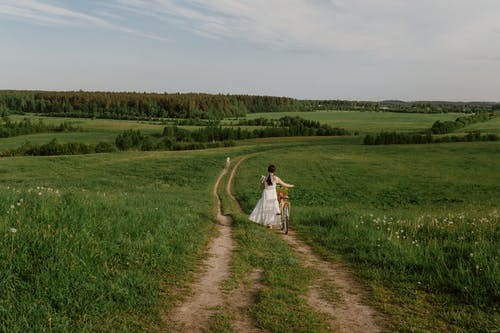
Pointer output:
147, 106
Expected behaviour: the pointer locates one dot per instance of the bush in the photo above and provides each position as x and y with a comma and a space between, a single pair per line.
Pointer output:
129, 139
105, 147
388, 138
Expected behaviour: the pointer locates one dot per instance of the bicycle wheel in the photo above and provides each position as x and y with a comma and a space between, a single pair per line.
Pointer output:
282, 217
285, 219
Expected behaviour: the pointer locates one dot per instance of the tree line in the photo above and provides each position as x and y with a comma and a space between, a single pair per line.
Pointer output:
401, 106
54, 147
141, 106
388, 138
9, 128
443, 127
175, 138
148, 106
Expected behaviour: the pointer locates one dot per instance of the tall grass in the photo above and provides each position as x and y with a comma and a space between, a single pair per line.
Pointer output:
420, 224
92, 243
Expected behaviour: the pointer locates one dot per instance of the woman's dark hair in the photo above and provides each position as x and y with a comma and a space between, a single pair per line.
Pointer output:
269, 179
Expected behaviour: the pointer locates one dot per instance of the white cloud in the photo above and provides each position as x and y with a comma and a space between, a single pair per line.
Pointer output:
387, 28
382, 28
374, 48
35, 11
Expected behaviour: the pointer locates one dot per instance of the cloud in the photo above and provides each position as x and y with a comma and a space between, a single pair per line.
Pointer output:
34, 11
381, 28
390, 28
294, 24
425, 31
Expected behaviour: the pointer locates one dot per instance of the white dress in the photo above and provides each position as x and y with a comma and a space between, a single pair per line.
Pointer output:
267, 209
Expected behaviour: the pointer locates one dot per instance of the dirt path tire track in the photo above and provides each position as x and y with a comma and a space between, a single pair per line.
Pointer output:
242, 298
192, 314
347, 314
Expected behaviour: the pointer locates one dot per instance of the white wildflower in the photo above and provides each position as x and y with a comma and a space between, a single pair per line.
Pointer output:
13, 230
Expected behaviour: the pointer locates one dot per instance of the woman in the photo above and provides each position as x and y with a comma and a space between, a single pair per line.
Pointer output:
267, 210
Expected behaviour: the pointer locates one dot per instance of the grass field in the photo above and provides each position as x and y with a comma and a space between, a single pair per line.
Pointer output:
420, 224
104, 130
492, 126
93, 131
106, 242
367, 122
97, 242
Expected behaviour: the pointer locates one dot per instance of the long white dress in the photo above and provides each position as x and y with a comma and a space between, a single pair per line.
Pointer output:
267, 209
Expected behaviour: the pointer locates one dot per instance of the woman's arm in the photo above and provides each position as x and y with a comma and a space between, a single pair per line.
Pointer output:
282, 183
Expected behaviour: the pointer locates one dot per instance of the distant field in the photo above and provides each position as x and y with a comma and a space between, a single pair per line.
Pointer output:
367, 122
106, 130
108, 125
94, 131
492, 126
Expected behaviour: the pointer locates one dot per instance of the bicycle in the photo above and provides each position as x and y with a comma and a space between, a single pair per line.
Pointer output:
282, 194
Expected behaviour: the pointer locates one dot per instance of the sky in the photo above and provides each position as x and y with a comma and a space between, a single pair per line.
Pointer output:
308, 49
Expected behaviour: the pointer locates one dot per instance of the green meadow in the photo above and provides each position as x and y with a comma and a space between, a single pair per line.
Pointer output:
92, 131
492, 126
108, 242
367, 122
97, 242
419, 224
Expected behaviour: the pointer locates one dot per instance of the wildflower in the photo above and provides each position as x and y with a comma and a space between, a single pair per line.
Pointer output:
472, 254
39, 193
12, 207
13, 230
